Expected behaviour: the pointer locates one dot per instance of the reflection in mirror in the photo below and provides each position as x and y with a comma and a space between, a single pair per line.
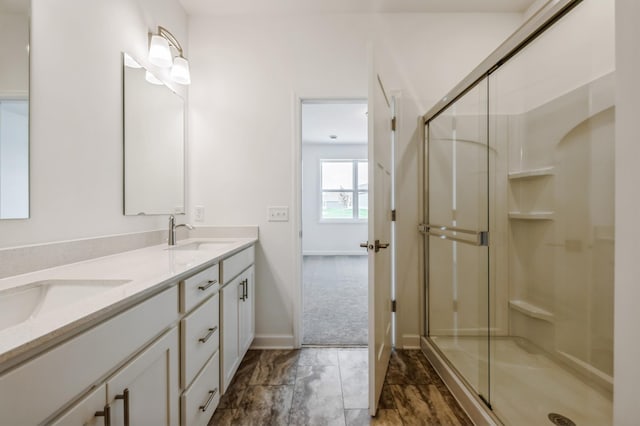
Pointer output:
14, 109
153, 144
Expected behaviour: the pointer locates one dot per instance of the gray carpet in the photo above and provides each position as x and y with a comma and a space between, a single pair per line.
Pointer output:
335, 300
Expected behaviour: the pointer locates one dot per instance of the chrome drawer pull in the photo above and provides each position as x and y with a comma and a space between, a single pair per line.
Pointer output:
206, 404
206, 286
106, 413
209, 334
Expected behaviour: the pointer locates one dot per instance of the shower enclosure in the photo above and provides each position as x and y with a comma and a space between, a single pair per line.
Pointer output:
519, 249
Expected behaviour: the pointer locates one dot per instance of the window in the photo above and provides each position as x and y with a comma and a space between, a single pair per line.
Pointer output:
344, 189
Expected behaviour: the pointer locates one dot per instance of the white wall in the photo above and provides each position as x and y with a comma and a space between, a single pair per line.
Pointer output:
247, 72
325, 238
76, 115
627, 234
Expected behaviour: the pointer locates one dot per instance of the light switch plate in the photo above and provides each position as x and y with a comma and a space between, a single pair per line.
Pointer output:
278, 214
199, 214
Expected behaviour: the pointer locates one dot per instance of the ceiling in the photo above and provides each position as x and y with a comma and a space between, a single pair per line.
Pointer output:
345, 120
303, 7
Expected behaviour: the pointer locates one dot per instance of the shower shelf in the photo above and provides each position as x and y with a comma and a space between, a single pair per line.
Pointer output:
531, 215
531, 310
532, 173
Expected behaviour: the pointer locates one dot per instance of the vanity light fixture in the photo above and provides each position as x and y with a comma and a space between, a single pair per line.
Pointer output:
160, 55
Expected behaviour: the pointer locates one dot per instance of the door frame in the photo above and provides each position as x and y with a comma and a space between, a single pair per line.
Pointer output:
296, 198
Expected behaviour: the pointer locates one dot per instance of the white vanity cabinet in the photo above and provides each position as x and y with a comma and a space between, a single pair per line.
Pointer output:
238, 312
155, 360
41, 387
141, 392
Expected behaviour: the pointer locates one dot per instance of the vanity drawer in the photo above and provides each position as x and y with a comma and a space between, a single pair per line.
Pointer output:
200, 401
195, 289
237, 263
200, 338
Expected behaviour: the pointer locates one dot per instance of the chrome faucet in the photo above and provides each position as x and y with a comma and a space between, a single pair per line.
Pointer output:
172, 229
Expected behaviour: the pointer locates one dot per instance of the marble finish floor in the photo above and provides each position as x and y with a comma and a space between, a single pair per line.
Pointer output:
329, 386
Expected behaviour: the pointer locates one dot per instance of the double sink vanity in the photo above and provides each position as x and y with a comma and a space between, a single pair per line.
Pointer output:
146, 337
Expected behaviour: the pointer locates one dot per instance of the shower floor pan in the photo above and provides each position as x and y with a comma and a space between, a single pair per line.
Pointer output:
529, 385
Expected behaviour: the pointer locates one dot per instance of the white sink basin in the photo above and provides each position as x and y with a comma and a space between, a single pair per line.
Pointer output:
203, 245
31, 300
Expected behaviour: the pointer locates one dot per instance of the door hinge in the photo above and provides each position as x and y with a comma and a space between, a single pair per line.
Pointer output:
393, 215
393, 306
393, 124
483, 238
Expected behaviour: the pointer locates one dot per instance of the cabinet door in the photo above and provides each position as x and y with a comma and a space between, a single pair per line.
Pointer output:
146, 389
246, 314
231, 295
84, 412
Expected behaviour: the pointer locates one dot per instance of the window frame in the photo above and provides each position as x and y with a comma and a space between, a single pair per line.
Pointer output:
355, 205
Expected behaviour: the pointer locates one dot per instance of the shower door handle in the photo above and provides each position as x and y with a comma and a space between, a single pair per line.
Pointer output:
480, 238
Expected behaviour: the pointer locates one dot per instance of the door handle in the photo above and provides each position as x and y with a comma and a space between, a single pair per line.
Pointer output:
380, 245
366, 245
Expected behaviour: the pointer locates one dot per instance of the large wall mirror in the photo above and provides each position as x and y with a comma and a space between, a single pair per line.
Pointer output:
153, 144
14, 109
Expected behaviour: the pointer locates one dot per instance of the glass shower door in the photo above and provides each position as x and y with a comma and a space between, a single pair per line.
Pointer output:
457, 218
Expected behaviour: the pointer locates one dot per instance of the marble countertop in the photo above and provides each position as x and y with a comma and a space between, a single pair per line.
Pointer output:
147, 271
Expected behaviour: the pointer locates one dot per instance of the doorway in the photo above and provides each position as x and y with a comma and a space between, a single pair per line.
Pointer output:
334, 222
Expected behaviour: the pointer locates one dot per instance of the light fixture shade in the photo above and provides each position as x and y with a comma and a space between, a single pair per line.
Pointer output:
152, 78
180, 71
159, 52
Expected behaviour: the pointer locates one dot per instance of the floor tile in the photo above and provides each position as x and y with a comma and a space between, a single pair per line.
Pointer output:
233, 395
423, 405
275, 368
386, 398
268, 397
223, 417
354, 374
406, 368
267, 405
279, 388
317, 397
318, 356
362, 418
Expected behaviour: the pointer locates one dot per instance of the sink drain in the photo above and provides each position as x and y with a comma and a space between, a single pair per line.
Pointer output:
560, 420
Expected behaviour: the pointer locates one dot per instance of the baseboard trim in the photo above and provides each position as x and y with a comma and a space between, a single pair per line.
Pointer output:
410, 341
334, 253
273, 341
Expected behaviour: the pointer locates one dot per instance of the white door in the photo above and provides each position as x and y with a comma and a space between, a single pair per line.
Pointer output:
380, 169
